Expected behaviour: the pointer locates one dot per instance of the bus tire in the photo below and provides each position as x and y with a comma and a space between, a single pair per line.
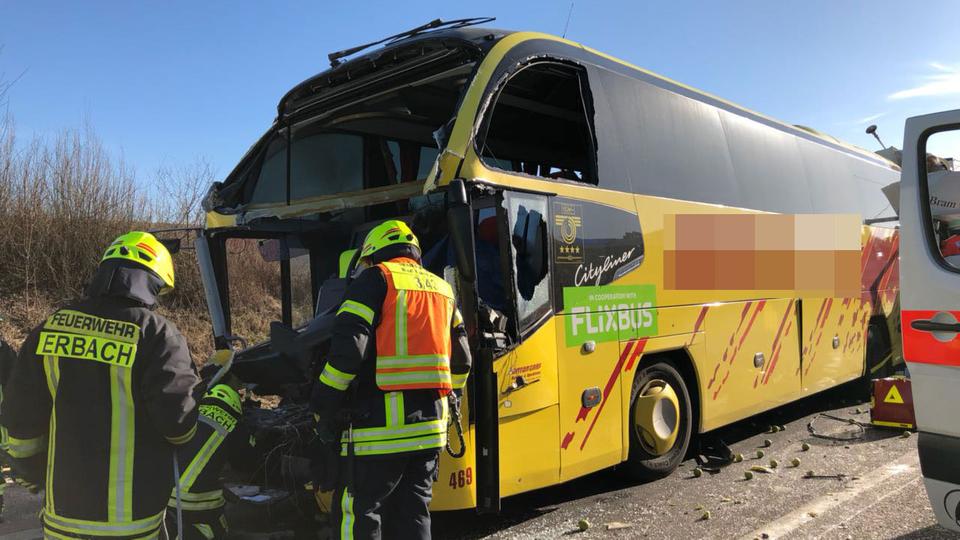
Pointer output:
660, 404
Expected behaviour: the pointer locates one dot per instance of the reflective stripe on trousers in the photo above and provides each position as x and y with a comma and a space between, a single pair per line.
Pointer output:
197, 502
63, 527
347, 518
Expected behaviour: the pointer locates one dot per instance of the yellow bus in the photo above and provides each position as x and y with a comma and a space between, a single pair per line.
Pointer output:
638, 262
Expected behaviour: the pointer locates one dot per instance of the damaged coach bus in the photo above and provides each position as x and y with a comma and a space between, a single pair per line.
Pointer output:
637, 262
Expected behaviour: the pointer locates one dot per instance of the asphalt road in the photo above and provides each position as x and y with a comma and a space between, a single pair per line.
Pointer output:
879, 495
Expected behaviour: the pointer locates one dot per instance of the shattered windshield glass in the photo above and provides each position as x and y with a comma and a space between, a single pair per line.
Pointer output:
376, 141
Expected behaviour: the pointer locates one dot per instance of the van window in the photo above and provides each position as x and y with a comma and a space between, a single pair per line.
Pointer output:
540, 125
941, 181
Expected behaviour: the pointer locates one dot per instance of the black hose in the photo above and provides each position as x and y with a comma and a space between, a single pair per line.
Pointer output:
849, 421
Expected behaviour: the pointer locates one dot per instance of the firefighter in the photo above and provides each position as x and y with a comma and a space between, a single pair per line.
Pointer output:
100, 396
398, 348
221, 438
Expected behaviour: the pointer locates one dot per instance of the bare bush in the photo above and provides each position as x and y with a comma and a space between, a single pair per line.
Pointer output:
180, 189
62, 200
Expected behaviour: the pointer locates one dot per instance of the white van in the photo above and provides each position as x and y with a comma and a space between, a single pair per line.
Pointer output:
930, 300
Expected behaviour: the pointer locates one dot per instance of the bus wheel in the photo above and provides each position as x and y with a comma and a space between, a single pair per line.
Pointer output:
660, 422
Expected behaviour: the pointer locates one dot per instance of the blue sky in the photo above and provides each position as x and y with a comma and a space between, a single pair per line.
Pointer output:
168, 82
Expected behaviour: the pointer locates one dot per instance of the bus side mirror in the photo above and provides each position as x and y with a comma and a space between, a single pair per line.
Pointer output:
460, 220
172, 245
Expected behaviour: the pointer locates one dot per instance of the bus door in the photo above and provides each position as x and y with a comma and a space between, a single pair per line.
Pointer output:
930, 299
527, 372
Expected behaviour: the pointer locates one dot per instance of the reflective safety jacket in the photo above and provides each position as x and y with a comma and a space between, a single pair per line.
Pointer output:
400, 340
102, 391
413, 338
221, 438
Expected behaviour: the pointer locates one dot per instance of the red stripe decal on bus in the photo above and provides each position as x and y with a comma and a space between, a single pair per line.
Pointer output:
813, 330
717, 391
640, 344
775, 348
698, 324
826, 314
746, 332
633, 357
585, 411
714, 378
743, 317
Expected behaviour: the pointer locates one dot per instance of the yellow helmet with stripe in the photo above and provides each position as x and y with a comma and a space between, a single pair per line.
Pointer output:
144, 248
345, 259
389, 233
227, 395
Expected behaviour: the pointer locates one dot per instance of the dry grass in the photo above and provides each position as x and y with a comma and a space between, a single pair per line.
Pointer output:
62, 200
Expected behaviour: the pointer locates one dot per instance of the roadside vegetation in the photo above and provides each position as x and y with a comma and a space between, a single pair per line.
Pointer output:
64, 198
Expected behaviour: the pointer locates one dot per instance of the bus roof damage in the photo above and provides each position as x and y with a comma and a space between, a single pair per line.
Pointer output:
406, 92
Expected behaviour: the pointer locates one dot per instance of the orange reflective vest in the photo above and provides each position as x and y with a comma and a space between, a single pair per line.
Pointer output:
413, 337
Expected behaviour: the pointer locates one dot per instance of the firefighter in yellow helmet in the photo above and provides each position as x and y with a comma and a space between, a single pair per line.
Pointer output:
398, 348
102, 393
222, 438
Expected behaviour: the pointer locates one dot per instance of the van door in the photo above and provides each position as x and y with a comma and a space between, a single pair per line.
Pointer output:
930, 298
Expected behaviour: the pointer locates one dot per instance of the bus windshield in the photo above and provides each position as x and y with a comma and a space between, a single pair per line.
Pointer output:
378, 139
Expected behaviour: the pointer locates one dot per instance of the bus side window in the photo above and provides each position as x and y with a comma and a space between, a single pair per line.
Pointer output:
540, 125
529, 258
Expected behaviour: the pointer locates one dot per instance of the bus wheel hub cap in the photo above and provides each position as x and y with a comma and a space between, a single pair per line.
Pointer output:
656, 417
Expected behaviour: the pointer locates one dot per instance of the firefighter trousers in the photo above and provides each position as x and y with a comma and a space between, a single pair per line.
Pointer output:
197, 525
389, 498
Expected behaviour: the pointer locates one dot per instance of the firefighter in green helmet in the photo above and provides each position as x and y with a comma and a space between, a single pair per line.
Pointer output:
398, 349
222, 438
101, 394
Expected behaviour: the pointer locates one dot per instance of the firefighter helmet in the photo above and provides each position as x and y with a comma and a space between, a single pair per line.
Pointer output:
389, 233
226, 394
144, 248
345, 258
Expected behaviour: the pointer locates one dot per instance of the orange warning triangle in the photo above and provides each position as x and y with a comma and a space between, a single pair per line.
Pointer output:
893, 396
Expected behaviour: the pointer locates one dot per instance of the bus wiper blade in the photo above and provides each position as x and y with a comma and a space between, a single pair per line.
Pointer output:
335, 57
